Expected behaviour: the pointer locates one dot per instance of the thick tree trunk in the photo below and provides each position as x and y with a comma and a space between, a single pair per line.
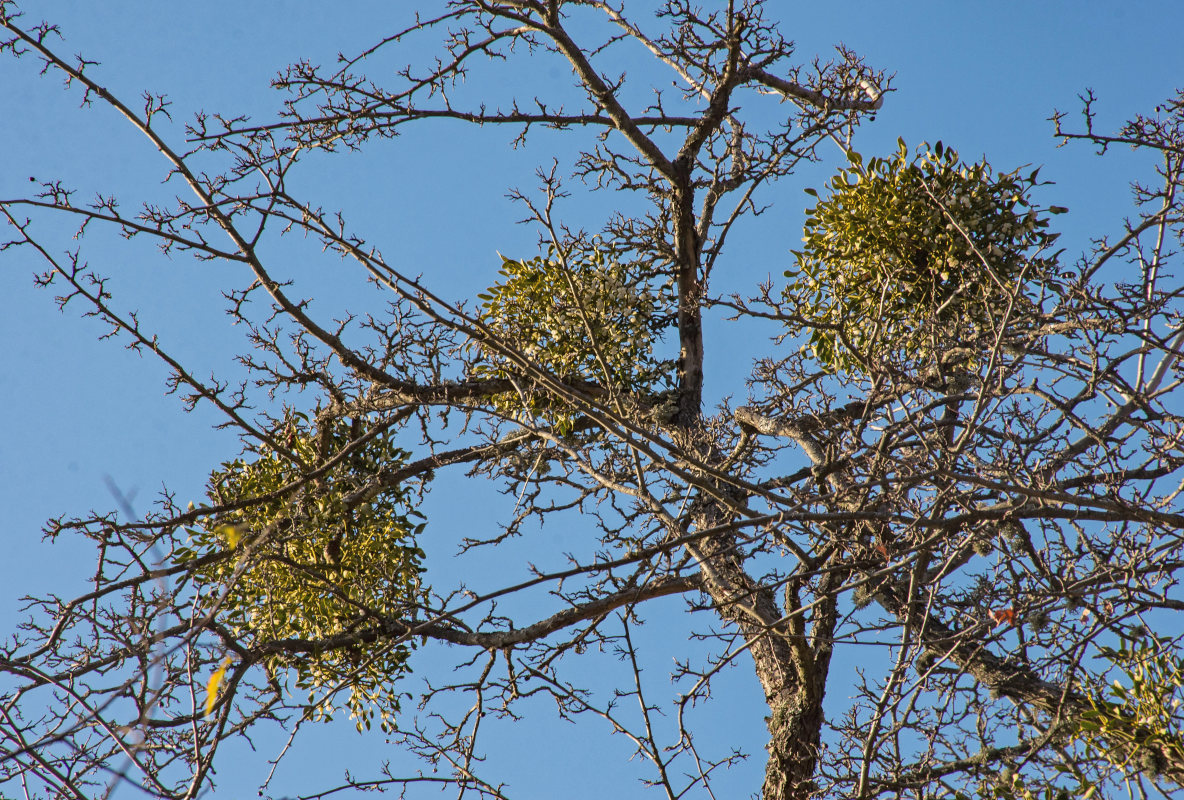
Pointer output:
787, 669
795, 726
791, 675
690, 298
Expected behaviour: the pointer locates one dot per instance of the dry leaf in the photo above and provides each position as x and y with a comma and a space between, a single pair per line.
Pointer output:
1004, 616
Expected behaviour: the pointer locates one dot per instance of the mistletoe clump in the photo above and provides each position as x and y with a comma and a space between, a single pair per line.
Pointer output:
909, 258
581, 316
1147, 715
315, 554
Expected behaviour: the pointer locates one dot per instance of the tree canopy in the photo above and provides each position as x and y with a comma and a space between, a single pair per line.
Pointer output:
959, 452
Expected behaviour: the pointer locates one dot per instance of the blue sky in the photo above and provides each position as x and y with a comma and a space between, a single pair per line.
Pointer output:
981, 77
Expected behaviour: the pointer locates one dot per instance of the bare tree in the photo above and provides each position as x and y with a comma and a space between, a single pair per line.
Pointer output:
984, 459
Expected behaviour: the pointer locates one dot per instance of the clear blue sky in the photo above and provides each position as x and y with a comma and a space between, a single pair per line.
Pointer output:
982, 77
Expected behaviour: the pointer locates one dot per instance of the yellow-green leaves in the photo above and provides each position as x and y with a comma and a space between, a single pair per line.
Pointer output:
584, 315
1137, 722
908, 257
322, 551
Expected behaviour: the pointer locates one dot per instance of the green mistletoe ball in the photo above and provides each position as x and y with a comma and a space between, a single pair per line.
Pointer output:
581, 315
911, 257
313, 558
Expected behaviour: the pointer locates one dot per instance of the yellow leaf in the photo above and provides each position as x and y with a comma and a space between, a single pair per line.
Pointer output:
232, 534
213, 684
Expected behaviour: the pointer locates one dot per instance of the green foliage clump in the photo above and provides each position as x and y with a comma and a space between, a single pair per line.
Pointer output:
581, 315
908, 257
308, 561
1136, 732
1147, 715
